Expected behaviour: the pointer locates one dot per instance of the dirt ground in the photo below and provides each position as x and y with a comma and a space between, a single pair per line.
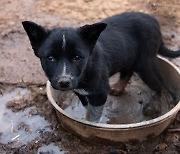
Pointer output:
20, 72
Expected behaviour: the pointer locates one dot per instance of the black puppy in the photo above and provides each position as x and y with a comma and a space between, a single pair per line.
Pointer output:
82, 59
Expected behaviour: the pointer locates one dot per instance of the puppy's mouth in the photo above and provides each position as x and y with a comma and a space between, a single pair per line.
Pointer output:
65, 89
61, 89
57, 87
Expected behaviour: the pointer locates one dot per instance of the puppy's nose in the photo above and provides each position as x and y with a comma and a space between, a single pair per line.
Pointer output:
64, 82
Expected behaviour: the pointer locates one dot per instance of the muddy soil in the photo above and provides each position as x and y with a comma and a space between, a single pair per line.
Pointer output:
28, 124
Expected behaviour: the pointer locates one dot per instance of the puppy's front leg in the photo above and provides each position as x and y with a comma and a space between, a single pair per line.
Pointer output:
83, 99
94, 113
95, 107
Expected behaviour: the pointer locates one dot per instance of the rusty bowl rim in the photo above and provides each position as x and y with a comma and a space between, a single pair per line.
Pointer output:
147, 123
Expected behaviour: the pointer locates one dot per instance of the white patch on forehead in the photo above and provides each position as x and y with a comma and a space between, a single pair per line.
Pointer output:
64, 41
64, 70
81, 91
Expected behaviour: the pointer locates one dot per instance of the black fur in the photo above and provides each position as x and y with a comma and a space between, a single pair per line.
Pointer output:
93, 53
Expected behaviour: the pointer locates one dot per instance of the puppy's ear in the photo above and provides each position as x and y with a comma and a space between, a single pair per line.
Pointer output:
90, 33
35, 33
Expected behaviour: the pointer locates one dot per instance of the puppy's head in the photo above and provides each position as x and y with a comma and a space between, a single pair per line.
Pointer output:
63, 52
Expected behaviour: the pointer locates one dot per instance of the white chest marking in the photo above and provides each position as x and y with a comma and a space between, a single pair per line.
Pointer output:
81, 91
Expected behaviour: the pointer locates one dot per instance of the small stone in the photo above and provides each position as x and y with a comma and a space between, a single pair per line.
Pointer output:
172, 36
139, 93
41, 88
161, 146
36, 142
33, 112
140, 101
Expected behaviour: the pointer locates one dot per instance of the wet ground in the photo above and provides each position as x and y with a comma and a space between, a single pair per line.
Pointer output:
28, 123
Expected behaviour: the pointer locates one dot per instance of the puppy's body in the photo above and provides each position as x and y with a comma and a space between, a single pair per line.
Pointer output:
129, 43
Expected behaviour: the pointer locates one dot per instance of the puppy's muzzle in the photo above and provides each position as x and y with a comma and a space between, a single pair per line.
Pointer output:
64, 83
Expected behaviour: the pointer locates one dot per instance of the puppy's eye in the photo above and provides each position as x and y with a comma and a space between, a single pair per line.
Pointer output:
50, 58
77, 58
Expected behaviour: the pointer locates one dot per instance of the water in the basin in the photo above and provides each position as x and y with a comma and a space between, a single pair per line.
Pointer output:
123, 109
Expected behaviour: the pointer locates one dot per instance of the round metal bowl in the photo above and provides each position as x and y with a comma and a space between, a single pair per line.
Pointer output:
113, 133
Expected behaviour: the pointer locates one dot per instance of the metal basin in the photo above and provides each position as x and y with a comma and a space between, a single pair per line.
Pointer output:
114, 133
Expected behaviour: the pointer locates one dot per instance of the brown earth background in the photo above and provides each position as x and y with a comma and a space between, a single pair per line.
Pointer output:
19, 66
